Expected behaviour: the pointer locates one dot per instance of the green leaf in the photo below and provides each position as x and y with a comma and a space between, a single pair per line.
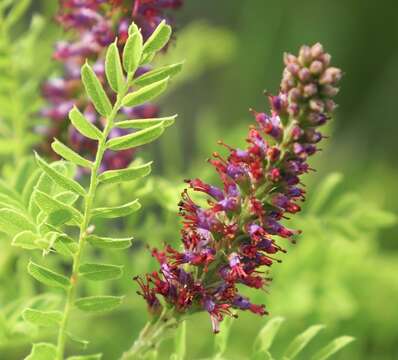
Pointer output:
60, 179
129, 174
325, 189
70, 155
49, 205
95, 90
67, 197
158, 74
42, 351
13, 222
77, 340
113, 68
301, 341
84, 126
267, 334
145, 123
101, 272
221, 340
117, 211
109, 243
66, 246
145, 94
132, 52
159, 38
86, 357
333, 347
180, 342
17, 11
136, 139
98, 303
47, 277
26, 240
42, 318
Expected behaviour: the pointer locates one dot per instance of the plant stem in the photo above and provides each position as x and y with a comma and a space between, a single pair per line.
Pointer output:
88, 205
151, 336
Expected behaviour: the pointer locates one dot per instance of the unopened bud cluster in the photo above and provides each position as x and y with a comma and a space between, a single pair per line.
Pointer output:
310, 84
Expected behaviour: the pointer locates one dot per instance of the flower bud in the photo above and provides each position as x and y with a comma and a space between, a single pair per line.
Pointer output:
304, 75
304, 55
330, 105
294, 95
316, 67
330, 76
310, 90
289, 59
316, 50
329, 90
317, 105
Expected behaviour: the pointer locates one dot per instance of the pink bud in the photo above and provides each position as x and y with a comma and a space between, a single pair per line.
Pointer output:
317, 105
316, 50
330, 90
304, 55
304, 75
316, 67
330, 76
289, 59
330, 105
310, 90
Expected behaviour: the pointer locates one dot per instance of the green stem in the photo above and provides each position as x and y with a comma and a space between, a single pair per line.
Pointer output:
88, 206
151, 336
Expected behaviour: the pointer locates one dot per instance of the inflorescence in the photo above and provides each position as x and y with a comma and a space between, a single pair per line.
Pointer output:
235, 238
93, 25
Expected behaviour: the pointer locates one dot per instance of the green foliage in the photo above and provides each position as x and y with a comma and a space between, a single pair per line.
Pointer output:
22, 68
266, 337
44, 218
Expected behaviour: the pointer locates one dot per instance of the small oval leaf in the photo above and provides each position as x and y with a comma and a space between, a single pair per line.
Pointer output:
26, 240
98, 303
129, 174
42, 318
132, 52
136, 139
50, 206
69, 154
42, 351
95, 90
158, 74
117, 211
59, 178
113, 68
84, 126
47, 276
100, 272
145, 94
109, 243
159, 38
13, 222
145, 123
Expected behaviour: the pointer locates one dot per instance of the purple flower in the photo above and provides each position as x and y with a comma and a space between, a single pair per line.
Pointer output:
230, 241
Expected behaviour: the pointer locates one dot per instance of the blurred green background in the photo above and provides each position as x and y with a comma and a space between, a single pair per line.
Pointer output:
343, 272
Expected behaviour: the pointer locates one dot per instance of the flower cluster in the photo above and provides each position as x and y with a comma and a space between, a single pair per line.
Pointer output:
235, 238
94, 24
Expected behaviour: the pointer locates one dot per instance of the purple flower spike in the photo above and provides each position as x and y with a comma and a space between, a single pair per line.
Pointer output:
236, 237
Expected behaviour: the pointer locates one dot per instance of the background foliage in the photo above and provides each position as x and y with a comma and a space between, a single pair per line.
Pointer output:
342, 273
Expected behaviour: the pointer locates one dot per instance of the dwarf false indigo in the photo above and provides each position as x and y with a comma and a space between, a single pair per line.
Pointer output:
231, 242
93, 25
